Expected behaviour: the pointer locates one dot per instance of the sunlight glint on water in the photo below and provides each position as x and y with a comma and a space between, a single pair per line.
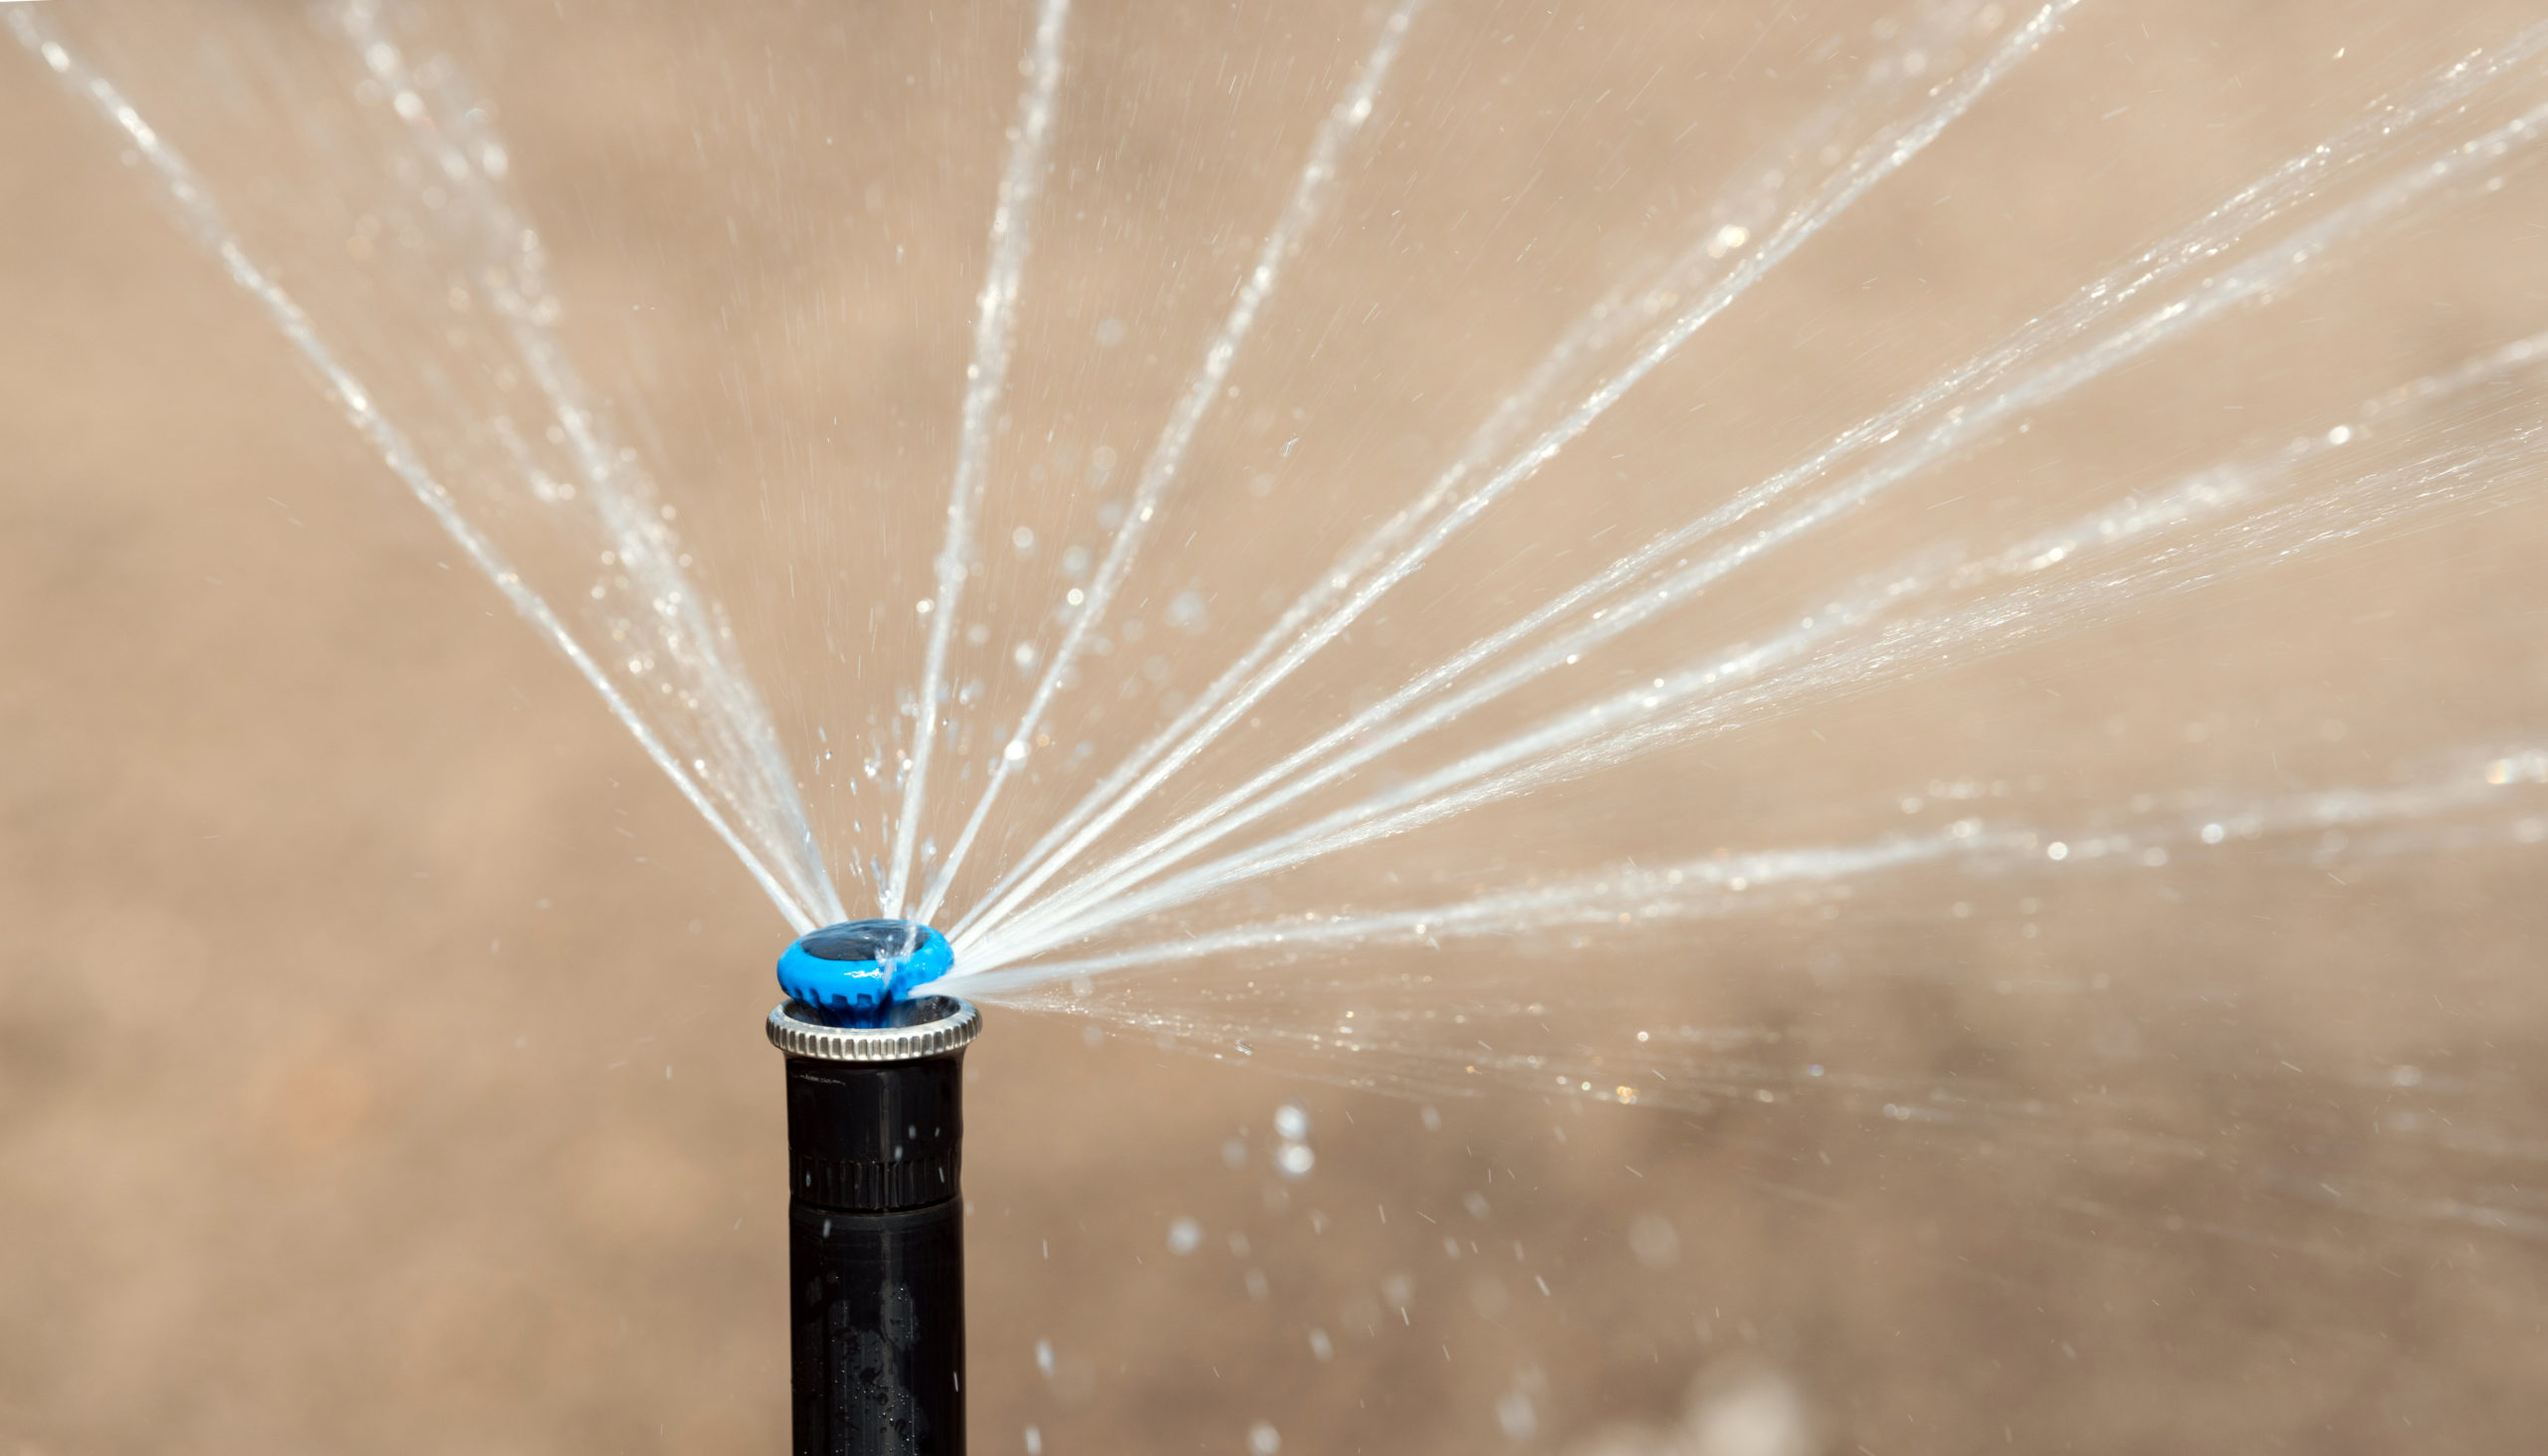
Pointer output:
1168, 457
645, 626
1087, 923
1777, 200
986, 384
1989, 390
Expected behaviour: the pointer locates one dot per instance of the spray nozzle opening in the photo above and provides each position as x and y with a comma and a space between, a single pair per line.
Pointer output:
852, 973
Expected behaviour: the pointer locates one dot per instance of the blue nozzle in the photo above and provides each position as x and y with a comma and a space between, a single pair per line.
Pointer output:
860, 968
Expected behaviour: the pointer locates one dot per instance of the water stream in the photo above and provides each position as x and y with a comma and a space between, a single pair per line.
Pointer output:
1428, 790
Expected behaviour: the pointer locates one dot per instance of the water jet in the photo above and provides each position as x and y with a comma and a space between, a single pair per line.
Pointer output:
1636, 555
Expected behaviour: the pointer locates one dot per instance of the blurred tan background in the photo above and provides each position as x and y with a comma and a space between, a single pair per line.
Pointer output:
380, 1065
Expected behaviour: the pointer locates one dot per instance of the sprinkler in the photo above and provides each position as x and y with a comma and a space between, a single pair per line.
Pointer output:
857, 969
875, 1209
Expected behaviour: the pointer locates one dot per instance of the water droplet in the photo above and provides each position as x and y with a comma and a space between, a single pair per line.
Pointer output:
1654, 1242
1187, 613
1517, 1415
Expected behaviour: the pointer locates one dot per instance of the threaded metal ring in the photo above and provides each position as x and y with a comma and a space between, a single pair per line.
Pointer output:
940, 1024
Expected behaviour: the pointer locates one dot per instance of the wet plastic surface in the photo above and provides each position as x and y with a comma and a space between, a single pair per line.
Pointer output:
876, 1256
857, 969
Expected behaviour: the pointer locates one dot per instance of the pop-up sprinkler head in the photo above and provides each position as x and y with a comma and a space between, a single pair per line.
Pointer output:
847, 974
876, 1217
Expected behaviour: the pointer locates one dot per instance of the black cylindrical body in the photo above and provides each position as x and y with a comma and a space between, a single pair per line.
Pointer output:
876, 1253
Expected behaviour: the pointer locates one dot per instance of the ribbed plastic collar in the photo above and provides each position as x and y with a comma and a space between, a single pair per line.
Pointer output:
929, 1026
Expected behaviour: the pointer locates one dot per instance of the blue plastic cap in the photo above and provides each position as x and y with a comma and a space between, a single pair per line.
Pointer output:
860, 968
